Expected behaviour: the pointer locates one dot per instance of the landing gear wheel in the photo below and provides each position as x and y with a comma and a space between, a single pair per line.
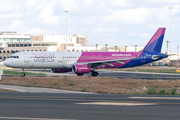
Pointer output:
94, 74
23, 74
80, 74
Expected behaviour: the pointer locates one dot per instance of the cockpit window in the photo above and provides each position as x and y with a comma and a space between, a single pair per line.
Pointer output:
14, 57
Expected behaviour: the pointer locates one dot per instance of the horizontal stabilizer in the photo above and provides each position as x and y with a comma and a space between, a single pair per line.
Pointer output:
160, 56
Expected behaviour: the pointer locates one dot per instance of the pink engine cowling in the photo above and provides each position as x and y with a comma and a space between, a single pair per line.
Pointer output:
81, 69
60, 70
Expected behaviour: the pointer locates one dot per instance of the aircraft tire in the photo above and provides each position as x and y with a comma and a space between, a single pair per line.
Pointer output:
23, 74
80, 74
94, 74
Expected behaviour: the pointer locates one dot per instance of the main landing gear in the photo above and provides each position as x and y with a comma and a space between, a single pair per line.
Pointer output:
80, 74
94, 73
23, 74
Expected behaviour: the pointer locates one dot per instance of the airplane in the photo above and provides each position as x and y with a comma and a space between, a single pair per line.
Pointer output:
87, 62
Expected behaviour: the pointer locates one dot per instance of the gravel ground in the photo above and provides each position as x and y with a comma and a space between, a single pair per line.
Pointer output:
106, 85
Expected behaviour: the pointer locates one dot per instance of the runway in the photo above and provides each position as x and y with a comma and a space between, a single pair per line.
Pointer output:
139, 75
118, 74
45, 106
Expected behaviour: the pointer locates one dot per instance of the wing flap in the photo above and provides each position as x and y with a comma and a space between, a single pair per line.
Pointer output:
109, 64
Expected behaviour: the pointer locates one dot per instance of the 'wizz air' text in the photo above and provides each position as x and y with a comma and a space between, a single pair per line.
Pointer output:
43, 57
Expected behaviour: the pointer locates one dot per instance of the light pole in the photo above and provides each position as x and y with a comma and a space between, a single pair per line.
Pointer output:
66, 29
170, 31
167, 46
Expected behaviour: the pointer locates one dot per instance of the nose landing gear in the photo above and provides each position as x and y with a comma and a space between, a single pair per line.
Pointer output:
23, 74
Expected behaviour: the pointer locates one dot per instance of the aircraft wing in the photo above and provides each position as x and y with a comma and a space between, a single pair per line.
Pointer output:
105, 62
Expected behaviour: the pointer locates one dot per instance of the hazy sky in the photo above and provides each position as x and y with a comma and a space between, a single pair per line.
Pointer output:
112, 22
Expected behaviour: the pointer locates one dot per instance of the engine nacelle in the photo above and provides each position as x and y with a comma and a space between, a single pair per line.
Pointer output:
60, 70
81, 69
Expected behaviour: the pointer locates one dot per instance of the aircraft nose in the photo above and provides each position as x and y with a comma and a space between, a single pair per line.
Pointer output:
6, 63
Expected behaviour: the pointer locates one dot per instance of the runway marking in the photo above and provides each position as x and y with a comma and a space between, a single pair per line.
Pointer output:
58, 99
167, 98
54, 97
23, 118
116, 103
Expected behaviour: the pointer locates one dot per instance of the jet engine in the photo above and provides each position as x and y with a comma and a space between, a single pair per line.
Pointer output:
81, 69
60, 70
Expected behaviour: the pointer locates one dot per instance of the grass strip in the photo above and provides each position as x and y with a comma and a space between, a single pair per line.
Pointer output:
8, 72
163, 91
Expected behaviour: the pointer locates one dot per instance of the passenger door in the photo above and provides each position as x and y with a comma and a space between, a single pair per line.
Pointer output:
27, 62
26, 58
60, 60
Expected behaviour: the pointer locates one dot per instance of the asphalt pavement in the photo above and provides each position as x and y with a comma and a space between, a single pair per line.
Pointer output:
139, 75
46, 106
38, 89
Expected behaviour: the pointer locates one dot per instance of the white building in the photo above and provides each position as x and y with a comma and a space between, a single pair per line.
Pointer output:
132, 49
61, 40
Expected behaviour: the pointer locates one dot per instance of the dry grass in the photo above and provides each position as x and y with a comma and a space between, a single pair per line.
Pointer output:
107, 85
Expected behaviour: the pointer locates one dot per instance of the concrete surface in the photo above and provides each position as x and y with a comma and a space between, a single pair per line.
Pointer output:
37, 90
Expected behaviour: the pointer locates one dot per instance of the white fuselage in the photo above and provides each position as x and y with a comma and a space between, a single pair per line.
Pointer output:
43, 59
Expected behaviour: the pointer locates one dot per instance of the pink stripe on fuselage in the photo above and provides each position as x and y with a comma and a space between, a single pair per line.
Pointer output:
102, 56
